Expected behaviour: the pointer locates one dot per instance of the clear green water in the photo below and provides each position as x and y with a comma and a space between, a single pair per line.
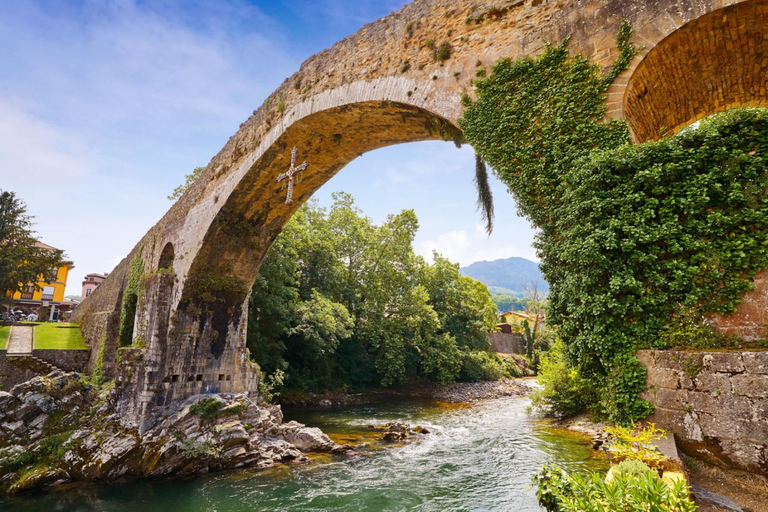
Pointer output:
478, 458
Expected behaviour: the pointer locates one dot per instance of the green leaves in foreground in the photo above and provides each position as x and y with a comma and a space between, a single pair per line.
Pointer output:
558, 491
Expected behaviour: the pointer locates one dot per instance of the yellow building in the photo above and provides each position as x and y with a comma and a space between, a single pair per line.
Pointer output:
512, 321
49, 293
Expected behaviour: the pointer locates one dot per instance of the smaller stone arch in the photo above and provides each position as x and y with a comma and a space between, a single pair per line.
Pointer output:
715, 62
166, 257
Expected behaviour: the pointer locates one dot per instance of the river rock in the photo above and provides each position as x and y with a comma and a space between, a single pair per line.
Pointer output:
94, 445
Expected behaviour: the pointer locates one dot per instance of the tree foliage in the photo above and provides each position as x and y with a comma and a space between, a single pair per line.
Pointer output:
22, 260
629, 234
341, 302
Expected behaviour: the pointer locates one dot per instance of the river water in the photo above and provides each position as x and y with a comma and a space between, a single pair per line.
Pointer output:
478, 458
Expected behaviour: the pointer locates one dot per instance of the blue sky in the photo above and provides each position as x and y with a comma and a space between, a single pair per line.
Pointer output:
105, 105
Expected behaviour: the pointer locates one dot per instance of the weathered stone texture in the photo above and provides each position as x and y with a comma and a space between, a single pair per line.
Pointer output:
12, 373
507, 343
352, 98
717, 407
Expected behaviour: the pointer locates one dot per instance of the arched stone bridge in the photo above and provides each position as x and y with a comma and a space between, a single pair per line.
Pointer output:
387, 84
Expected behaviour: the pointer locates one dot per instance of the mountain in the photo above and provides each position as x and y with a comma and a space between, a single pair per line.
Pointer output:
511, 276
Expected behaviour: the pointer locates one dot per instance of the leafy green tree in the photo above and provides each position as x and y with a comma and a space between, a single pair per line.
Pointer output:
323, 324
22, 260
341, 302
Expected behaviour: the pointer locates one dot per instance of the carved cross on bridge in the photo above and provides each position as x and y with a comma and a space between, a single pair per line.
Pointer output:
295, 169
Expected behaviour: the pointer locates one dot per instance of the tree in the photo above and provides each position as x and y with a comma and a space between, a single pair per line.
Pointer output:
188, 180
23, 260
342, 302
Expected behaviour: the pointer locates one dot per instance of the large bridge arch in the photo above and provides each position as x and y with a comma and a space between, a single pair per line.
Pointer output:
383, 85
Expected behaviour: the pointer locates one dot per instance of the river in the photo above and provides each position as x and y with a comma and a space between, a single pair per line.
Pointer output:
478, 458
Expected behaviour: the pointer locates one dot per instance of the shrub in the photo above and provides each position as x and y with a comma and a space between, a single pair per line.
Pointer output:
483, 366
632, 467
635, 444
443, 52
564, 393
479, 366
561, 492
207, 408
269, 386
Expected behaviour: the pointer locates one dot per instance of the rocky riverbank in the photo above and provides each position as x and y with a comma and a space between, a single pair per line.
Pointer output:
59, 428
457, 392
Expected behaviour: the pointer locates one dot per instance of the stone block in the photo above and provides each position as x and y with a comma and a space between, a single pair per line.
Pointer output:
718, 426
726, 362
676, 360
723, 404
756, 362
672, 398
746, 454
755, 386
646, 358
713, 382
663, 377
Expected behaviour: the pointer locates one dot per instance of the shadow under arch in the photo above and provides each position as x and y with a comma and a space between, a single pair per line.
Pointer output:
213, 302
715, 62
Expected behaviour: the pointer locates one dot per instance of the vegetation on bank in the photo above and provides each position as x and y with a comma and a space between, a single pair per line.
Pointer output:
631, 237
5, 331
341, 303
631, 490
636, 481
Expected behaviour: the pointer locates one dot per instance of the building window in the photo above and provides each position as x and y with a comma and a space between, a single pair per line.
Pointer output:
28, 292
47, 293
88, 292
52, 275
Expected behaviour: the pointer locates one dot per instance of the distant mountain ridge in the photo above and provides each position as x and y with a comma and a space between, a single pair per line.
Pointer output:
512, 276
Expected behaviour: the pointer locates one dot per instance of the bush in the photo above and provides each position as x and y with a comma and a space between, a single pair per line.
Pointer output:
564, 393
206, 408
482, 366
636, 444
560, 492
632, 467
478, 366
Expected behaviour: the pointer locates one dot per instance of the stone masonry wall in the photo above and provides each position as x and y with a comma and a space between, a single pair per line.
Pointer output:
75, 360
750, 321
716, 403
507, 343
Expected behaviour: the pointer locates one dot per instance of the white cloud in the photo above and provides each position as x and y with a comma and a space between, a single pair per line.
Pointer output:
32, 149
452, 245
465, 248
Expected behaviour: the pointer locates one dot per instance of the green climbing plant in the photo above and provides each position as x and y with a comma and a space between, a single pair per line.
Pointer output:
629, 235
133, 289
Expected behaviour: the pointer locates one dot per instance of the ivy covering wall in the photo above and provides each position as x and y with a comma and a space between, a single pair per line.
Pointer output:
630, 236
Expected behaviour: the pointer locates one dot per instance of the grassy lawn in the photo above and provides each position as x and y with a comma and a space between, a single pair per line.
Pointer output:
58, 335
4, 331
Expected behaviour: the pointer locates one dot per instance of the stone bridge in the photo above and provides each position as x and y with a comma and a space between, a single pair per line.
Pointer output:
397, 80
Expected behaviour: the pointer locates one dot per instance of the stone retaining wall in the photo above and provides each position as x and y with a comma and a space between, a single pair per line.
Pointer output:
507, 343
75, 360
716, 403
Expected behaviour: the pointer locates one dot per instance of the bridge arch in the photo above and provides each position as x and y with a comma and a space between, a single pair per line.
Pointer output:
713, 63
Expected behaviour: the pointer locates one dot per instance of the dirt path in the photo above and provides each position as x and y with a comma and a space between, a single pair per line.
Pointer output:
20, 341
